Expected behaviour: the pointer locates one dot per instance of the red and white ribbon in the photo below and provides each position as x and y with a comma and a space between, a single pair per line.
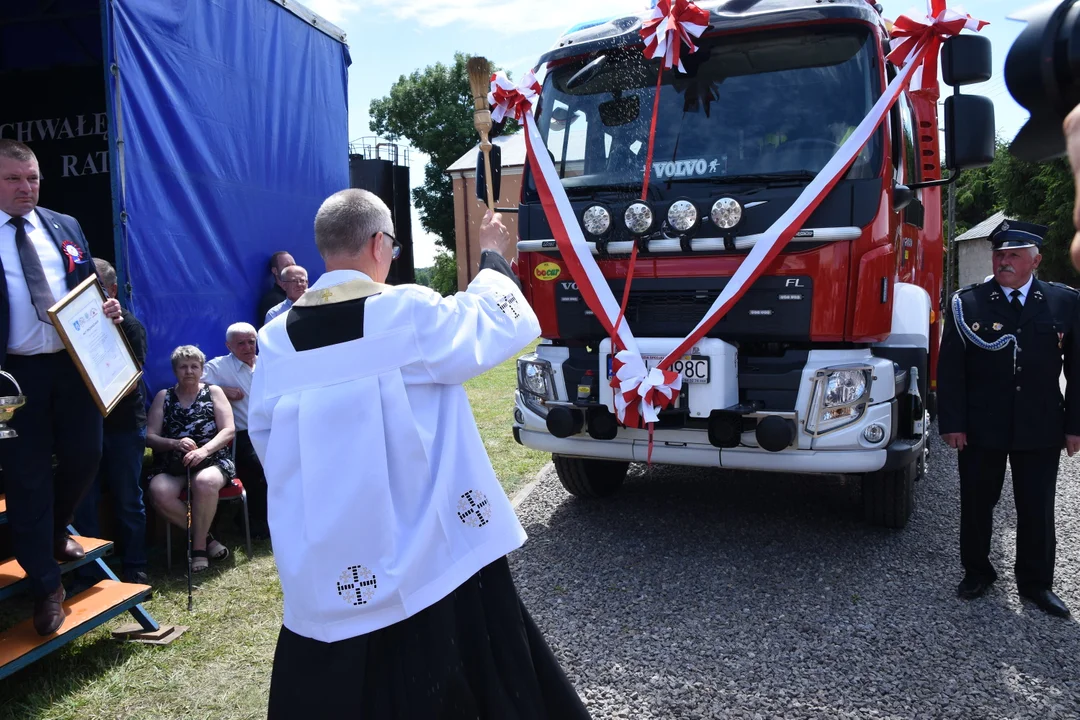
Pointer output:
516, 100
508, 99
670, 25
912, 33
773, 240
641, 393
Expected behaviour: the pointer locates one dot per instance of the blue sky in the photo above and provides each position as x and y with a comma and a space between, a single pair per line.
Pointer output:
390, 38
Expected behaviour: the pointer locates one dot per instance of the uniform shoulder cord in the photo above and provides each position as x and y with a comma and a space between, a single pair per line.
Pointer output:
969, 335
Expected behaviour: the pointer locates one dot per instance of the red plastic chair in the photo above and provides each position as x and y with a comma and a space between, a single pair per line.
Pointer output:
229, 493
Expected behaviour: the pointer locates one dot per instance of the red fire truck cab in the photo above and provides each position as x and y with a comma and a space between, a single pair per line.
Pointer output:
824, 364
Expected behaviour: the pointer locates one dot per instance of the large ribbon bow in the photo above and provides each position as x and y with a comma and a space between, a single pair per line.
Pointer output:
910, 34
508, 99
672, 24
640, 393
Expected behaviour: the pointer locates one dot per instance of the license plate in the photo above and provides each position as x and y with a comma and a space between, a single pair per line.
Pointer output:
694, 368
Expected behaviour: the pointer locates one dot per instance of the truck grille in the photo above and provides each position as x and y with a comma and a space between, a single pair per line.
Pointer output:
774, 309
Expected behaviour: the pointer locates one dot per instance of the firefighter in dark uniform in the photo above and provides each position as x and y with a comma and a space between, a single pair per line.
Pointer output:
1004, 345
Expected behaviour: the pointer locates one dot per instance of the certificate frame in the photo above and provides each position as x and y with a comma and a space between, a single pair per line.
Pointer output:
96, 344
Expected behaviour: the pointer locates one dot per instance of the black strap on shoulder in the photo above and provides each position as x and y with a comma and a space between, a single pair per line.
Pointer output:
324, 325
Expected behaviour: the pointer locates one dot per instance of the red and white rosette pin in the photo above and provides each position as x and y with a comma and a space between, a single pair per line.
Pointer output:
509, 100
670, 25
73, 254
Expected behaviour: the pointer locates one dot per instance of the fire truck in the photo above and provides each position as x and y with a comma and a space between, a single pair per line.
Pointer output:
826, 364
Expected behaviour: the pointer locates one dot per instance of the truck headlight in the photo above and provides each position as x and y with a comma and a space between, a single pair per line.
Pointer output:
726, 213
638, 218
682, 215
597, 220
839, 397
536, 383
845, 387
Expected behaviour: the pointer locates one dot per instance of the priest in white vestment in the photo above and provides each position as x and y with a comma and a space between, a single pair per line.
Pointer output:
390, 528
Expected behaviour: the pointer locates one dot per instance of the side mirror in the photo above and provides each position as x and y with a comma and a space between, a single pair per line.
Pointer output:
496, 174
902, 196
966, 60
970, 132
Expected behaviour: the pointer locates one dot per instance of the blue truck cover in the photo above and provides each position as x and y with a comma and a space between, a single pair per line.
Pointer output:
226, 124
234, 122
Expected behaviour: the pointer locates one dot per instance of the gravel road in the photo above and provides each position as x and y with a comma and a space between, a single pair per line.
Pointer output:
706, 594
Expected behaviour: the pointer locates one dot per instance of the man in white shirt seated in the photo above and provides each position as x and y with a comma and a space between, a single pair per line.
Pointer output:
294, 279
232, 373
390, 527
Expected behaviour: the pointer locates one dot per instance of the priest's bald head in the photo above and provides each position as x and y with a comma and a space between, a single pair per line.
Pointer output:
354, 231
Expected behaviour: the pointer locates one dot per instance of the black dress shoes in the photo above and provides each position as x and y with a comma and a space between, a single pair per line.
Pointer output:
65, 549
973, 587
1048, 602
49, 612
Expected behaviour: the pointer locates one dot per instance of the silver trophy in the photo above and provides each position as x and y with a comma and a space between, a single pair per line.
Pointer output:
8, 405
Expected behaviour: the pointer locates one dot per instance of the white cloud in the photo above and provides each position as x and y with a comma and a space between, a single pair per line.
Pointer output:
507, 16
333, 10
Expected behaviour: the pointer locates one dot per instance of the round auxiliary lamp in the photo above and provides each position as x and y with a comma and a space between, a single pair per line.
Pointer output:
8, 405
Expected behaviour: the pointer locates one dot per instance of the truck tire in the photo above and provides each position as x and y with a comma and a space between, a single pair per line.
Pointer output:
590, 478
889, 496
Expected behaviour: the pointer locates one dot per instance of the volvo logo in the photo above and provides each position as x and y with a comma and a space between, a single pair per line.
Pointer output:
569, 286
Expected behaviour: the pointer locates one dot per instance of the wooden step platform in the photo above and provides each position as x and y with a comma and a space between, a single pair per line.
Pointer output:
21, 645
13, 577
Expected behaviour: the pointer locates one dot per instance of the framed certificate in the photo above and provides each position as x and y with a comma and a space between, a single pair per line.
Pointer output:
96, 344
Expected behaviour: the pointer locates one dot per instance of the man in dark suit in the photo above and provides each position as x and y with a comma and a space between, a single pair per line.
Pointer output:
1002, 352
124, 441
278, 262
44, 255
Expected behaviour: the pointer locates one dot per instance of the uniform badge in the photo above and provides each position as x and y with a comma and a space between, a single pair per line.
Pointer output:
995, 295
1061, 337
997, 327
975, 326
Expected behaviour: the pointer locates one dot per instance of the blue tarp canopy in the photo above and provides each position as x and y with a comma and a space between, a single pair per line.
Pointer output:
232, 119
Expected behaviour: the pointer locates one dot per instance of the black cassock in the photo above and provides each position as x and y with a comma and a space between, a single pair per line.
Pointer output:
1011, 408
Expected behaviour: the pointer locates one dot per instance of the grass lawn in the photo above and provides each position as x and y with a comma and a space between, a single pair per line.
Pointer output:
492, 398
220, 668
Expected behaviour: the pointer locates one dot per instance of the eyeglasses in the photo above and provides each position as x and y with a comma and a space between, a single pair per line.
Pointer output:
397, 245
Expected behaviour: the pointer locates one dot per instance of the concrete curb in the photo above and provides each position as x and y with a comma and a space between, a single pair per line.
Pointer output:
522, 495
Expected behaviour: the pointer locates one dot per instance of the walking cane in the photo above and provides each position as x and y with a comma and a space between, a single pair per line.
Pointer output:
189, 539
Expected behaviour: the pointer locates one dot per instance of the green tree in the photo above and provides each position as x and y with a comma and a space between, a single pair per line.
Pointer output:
424, 275
1042, 193
444, 274
433, 109
975, 199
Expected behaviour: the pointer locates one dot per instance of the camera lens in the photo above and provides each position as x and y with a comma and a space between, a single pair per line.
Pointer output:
1042, 73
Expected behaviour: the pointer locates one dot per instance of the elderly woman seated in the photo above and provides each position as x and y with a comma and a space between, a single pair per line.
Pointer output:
190, 428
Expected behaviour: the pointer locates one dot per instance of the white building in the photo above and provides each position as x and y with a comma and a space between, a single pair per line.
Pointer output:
974, 259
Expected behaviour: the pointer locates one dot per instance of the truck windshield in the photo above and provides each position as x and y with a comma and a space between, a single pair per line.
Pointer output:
756, 105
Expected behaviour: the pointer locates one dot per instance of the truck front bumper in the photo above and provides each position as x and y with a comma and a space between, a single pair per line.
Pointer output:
896, 455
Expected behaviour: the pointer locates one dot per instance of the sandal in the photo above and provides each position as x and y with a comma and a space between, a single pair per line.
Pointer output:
214, 549
199, 561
